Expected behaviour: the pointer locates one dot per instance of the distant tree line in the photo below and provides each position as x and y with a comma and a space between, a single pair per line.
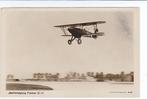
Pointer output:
129, 77
75, 76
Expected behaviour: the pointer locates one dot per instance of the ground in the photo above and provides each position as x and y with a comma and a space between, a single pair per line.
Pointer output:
16, 86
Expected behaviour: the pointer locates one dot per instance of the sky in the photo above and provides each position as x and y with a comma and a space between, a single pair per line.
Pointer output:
33, 44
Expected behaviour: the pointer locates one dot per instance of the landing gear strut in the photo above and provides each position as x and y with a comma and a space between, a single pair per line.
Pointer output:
70, 41
79, 41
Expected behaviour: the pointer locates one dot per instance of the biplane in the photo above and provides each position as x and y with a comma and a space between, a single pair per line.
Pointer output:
77, 31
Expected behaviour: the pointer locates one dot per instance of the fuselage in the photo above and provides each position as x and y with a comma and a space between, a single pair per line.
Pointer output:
77, 32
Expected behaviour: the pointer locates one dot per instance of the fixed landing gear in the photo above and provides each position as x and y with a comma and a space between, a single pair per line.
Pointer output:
69, 42
79, 41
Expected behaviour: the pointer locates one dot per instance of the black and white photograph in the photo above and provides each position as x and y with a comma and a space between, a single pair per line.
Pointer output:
71, 52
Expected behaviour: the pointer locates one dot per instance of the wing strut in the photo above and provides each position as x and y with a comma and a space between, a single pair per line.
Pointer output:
63, 29
95, 28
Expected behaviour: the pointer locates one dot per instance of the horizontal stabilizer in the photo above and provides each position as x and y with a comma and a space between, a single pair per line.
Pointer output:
88, 36
100, 34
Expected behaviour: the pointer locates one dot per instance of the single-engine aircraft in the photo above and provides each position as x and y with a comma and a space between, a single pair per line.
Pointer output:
77, 31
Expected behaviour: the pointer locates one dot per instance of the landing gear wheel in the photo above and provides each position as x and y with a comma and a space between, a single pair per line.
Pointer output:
79, 41
69, 42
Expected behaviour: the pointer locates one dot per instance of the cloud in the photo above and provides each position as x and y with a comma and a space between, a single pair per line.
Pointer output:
125, 23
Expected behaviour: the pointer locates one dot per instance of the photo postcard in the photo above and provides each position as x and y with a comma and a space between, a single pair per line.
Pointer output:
70, 52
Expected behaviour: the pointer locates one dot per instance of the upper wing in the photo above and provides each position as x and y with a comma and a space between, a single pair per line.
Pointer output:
82, 24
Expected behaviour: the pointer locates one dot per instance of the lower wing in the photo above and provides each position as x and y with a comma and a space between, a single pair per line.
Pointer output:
94, 34
66, 35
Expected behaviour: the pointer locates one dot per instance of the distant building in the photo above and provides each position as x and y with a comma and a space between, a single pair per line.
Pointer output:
10, 77
89, 76
46, 76
129, 77
99, 76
